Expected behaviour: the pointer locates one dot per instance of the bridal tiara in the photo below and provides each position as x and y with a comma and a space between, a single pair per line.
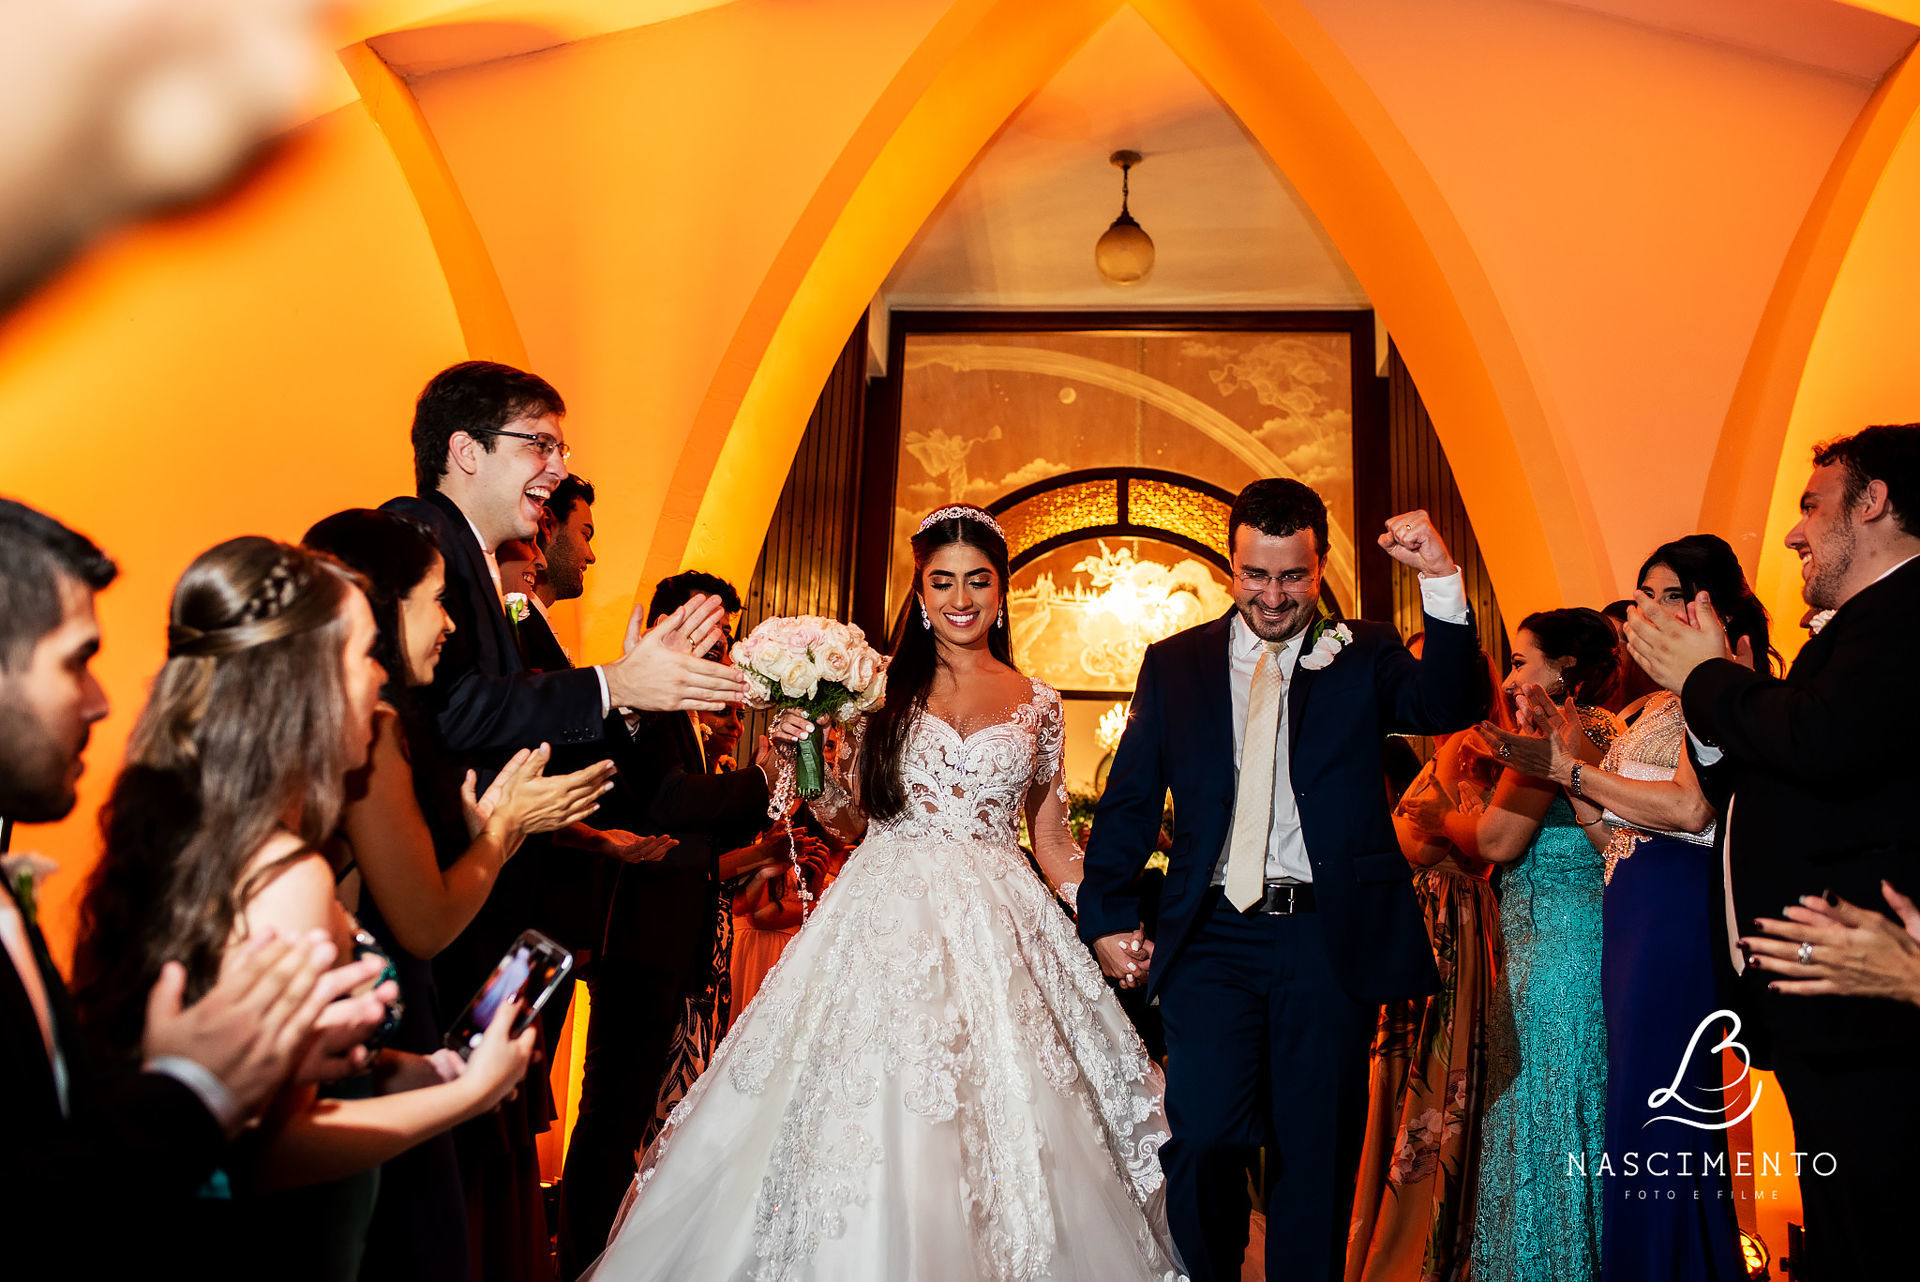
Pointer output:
963, 514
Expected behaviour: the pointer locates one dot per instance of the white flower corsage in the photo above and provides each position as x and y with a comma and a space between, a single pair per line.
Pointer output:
24, 873
517, 607
1327, 639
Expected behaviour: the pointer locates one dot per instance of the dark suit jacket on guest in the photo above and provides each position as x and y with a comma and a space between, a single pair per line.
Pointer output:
1823, 783
487, 704
662, 913
132, 1144
540, 650
1180, 737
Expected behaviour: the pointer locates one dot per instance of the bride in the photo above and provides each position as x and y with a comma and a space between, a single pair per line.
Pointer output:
934, 1082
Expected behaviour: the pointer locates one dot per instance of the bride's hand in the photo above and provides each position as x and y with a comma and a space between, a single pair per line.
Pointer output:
1125, 955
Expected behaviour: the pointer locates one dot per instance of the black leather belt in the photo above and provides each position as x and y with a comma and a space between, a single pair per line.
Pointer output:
1284, 899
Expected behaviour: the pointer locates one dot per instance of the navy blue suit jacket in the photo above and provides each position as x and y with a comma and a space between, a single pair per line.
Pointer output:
1179, 736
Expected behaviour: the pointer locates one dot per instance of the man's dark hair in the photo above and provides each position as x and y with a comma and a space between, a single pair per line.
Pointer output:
676, 591
36, 552
1886, 452
478, 397
572, 489
1279, 506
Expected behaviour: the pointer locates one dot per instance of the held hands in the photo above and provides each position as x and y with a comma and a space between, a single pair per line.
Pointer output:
1125, 956
524, 800
1411, 540
1668, 649
658, 671
1850, 950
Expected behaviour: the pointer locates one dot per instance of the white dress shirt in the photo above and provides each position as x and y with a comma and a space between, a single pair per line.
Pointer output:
1444, 599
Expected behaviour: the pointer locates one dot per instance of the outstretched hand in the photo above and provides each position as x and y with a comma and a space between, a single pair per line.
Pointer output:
659, 671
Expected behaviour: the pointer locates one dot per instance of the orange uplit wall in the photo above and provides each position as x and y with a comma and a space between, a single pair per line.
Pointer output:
1860, 369
246, 370
1603, 249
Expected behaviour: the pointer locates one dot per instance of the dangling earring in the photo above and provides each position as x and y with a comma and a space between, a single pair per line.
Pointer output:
925, 620
1003, 614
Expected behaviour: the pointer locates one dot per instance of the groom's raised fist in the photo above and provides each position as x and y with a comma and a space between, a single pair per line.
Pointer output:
1411, 540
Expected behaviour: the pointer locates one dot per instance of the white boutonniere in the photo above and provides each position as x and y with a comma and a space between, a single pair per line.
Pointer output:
1326, 638
517, 608
24, 873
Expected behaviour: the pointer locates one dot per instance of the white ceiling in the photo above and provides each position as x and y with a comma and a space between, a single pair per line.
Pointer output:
1018, 229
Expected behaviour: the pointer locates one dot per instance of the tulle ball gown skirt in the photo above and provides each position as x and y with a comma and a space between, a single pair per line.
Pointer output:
935, 1082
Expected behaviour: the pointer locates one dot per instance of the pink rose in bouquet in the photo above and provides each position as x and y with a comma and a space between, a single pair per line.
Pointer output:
821, 666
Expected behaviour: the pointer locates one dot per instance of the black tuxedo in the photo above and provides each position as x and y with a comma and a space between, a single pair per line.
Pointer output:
540, 650
1823, 793
1268, 1018
658, 944
487, 704
131, 1150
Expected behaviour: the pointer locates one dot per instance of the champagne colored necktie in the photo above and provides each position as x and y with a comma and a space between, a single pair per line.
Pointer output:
1253, 805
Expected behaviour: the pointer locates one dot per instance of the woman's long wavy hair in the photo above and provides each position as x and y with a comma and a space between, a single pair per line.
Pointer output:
392, 553
1706, 563
244, 732
915, 659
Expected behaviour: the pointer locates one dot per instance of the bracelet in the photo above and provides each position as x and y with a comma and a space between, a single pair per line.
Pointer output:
1588, 823
1576, 781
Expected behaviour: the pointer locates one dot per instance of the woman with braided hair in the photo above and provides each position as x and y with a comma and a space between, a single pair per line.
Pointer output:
233, 780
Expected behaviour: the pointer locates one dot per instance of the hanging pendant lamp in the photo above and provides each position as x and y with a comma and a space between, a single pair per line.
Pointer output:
1124, 252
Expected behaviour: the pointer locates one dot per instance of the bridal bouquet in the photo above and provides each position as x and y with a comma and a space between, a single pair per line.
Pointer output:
821, 666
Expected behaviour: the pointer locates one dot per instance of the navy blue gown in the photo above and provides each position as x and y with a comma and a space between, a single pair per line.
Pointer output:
1669, 1210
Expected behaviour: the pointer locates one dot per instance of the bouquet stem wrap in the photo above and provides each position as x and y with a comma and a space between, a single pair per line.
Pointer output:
809, 768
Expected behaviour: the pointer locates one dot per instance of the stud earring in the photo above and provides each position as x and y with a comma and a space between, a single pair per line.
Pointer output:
926, 621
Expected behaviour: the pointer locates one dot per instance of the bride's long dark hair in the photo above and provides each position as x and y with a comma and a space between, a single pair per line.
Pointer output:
915, 660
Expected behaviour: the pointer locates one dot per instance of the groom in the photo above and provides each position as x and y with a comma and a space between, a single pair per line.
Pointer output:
1288, 915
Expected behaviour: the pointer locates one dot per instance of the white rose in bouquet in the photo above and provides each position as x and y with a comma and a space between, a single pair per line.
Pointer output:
822, 667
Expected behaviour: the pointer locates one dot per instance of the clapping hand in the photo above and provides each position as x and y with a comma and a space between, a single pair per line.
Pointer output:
1551, 743
1411, 540
1847, 949
658, 672
1669, 647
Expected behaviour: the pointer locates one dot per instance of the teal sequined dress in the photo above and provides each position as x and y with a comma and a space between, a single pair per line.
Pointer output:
1538, 1215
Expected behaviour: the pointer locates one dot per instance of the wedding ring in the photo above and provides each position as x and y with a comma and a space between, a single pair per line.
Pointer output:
1506, 750
1806, 954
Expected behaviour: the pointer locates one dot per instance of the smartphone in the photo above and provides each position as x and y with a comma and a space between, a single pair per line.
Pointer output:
531, 971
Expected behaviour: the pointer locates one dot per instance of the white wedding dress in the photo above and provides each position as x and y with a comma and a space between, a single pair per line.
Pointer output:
934, 1082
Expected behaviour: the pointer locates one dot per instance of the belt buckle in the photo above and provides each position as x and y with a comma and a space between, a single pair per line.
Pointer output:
1278, 910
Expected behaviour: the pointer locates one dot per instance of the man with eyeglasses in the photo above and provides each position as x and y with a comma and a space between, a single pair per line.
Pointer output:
1288, 915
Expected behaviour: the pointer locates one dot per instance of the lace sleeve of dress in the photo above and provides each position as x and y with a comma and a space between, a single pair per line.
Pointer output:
1054, 848
838, 807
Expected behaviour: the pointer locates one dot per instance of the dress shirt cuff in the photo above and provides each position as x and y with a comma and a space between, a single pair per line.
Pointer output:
1703, 752
207, 1088
606, 700
1445, 598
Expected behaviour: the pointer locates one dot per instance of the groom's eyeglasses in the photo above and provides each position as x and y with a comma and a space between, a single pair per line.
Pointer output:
545, 444
1260, 580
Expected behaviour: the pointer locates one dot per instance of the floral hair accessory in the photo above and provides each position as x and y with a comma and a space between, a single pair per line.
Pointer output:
963, 513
